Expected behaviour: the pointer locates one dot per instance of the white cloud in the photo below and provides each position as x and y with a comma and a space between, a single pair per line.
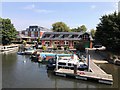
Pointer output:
43, 11
93, 7
29, 7
34, 9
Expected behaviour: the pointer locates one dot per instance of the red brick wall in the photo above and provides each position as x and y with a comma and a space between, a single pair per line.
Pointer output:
36, 34
29, 33
43, 42
61, 42
71, 44
51, 43
41, 33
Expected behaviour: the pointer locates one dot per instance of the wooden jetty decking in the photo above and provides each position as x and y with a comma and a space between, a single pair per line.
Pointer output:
97, 74
95, 69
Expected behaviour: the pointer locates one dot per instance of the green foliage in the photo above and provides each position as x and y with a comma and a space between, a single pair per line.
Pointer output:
60, 27
44, 47
75, 29
79, 29
66, 47
93, 33
83, 28
38, 39
8, 31
54, 46
24, 42
80, 46
108, 31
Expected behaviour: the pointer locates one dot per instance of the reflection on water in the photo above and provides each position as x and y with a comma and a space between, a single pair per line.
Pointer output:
19, 72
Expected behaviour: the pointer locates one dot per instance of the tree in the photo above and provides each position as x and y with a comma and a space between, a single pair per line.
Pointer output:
8, 31
108, 31
79, 29
24, 43
83, 28
75, 29
93, 33
60, 27
80, 46
38, 39
44, 47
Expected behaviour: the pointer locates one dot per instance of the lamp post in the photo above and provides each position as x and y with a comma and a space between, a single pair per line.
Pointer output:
56, 57
89, 62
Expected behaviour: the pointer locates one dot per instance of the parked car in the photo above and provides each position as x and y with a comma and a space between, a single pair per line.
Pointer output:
97, 46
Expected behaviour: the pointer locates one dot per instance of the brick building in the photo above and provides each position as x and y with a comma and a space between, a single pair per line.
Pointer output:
65, 39
34, 32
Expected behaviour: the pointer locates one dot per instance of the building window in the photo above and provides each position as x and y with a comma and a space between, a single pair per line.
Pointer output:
56, 42
74, 42
36, 34
29, 33
31, 29
80, 36
72, 36
85, 37
62, 36
47, 43
66, 42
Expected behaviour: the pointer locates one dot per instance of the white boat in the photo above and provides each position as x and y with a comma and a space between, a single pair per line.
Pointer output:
68, 62
29, 51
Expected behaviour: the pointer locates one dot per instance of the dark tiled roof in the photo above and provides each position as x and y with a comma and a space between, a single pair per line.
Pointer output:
61, 35
38, 28
64, 33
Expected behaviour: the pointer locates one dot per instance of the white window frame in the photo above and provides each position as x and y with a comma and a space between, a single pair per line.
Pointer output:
47, 42
66, 42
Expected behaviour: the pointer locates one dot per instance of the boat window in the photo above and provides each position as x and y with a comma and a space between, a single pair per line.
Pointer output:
60, 63
69, 64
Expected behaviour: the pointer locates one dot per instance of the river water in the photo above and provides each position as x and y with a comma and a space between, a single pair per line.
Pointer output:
19, 72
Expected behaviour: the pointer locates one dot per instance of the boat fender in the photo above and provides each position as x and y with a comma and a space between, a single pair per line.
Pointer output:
81, 72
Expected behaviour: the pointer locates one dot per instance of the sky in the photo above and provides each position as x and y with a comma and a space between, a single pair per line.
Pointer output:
74, 14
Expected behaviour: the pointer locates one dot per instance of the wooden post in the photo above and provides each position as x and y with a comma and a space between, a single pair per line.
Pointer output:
88, 59
87, 55
75, 69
